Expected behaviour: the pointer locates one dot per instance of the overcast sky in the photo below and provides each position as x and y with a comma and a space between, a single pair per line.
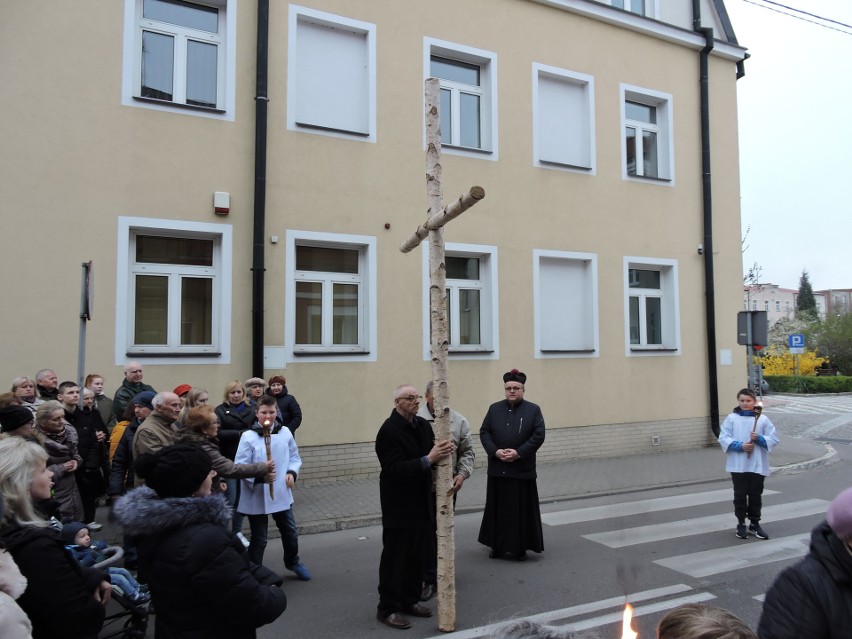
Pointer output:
796, 141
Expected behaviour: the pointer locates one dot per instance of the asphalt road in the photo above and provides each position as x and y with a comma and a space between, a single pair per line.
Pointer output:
656, 549
578, 571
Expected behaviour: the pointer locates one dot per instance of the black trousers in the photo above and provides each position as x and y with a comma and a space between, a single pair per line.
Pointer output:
748, 496
404, 552
91, 484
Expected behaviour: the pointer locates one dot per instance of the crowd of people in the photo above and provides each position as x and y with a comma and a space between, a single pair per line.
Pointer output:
182, 475
179, 475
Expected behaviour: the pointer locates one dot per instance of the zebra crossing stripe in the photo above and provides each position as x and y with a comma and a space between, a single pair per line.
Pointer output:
687, 527
574, 611
713, 562
616, 617
626, 509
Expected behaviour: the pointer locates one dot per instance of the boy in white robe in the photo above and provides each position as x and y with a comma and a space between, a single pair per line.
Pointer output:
256, 502
747, 436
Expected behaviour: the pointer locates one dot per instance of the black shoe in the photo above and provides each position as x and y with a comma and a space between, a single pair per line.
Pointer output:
521, 556
394, 620
755, 529
416, 610
427, 592
742, 533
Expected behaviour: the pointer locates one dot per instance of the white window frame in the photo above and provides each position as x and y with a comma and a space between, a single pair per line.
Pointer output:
487, 61
582, 158
220, 351
322, 123
664, 104
651, 7
489, 301
583, 302
669, 307
366, 349
226, 66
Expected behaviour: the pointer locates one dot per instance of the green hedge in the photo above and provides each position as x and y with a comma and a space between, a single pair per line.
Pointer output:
809, 384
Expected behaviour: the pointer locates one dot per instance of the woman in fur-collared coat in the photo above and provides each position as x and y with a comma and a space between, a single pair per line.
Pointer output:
201, 580
60, 441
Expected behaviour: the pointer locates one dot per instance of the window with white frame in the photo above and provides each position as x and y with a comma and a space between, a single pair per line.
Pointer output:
566, 304
331, 295
777, 306
471, 304
177, 289
563, 119
180, 54
634, 6
331, 75
651, 305
468, 103
754, 305
647, 145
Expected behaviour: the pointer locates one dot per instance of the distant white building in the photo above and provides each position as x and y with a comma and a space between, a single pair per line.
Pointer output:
779, 303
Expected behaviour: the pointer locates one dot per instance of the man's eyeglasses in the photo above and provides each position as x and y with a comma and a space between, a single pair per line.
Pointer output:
412, 398
513, 389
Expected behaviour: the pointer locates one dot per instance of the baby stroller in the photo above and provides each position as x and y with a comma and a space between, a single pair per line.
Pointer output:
131, 621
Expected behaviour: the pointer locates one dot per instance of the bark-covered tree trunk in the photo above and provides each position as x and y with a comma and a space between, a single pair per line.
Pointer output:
440, 351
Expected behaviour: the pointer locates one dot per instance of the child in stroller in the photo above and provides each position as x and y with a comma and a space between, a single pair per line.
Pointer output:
89, 552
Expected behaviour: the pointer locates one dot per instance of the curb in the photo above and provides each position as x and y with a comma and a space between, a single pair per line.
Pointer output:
831, 456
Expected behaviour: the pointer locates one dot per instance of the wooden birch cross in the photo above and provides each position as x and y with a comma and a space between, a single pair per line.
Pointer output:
434, 228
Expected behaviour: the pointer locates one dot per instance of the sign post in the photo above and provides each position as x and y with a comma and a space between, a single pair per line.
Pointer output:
86, 292
796, 342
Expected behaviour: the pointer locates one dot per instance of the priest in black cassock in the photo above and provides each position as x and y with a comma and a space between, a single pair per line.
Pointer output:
511, 433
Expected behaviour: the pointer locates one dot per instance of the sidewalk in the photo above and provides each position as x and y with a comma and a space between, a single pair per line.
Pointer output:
352, 504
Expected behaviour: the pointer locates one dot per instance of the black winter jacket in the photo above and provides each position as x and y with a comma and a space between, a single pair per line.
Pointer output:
813, 598
405, 483
289, 410
202, 582
88, 422
520, 427
121, 476
59, 598
232, 425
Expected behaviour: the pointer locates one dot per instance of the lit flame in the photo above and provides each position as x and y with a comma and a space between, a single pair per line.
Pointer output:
626, 631
267, 423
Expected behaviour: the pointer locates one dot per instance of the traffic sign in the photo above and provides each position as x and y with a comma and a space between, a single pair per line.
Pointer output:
796, 340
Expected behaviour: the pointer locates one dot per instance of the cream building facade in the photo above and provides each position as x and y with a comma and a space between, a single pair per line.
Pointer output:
584, 266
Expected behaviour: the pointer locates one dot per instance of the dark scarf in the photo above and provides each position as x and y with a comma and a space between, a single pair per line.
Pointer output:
60, 437
45, 393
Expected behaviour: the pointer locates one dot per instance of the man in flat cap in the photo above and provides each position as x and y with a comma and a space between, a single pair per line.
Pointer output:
511, 433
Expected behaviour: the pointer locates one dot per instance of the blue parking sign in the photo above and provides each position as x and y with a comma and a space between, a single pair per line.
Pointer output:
797, 340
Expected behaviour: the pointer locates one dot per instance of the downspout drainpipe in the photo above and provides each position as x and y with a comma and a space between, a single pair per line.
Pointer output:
706, 186
258, 258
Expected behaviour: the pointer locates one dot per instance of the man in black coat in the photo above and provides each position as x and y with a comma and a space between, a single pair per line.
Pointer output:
406, 452
511, 433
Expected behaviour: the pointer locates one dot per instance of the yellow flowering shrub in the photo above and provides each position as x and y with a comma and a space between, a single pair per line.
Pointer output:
779, 361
